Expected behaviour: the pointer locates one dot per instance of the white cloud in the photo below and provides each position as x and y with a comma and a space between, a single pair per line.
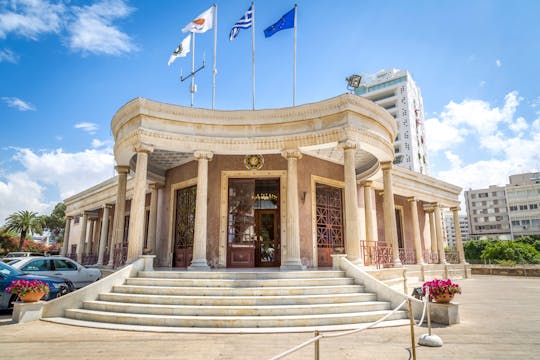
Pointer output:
89, 127
19, 191
69, 173
498, 63
93, 31
30, 18
96, 143
18, 104
483, 83
6, 55
455, 160
442, 135
519, 125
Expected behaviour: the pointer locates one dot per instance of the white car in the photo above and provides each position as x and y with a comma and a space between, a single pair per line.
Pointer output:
58, 266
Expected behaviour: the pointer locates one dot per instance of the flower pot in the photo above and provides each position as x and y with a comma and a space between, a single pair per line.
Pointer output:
32, 296
444, 298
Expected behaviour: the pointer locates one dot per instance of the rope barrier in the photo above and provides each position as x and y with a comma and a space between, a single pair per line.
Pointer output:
350, 332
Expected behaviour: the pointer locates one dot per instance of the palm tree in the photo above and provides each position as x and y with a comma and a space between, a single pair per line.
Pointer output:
24, 222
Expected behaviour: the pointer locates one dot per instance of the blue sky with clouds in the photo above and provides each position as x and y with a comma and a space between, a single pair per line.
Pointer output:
67, 66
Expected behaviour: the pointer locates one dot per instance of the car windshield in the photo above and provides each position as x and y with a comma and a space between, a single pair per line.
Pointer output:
8, 270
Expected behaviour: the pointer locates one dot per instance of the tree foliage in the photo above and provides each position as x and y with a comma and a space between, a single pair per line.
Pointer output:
25, 223
473, 248
55, 222
515, 252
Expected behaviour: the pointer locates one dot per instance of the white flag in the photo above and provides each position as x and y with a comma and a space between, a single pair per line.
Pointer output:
202, 23
181, 51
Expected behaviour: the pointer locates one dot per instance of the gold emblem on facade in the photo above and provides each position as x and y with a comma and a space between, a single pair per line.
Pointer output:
254, 162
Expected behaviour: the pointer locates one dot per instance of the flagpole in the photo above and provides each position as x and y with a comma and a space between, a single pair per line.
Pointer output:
253, 57
294, 67
214, 70
192, 68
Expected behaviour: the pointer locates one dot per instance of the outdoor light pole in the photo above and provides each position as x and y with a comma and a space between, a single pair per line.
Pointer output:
353, 82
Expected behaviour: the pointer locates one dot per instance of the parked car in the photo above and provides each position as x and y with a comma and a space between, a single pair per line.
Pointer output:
58, 266
19, 254
57, 286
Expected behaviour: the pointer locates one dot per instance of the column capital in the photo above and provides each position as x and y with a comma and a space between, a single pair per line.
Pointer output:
203, 154
347, 144
121, 169
387, 165
69, 217
155, 186
144, 148
367, 183
412, 198
291, 154
455, 208
107, 206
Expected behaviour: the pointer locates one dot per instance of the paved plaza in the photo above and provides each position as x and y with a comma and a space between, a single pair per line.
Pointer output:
500, 319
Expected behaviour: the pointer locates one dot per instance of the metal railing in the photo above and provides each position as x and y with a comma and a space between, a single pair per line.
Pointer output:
376, 253
407, 256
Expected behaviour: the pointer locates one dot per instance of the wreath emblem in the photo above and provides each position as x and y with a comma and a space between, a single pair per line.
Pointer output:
254, 162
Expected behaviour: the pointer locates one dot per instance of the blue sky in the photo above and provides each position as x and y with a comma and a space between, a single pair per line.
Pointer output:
67, 66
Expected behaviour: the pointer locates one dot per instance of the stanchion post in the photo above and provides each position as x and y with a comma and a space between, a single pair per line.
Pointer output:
316, 346
411, 318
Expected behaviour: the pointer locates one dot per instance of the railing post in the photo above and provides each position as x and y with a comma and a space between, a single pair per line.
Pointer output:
316, 345
411, 318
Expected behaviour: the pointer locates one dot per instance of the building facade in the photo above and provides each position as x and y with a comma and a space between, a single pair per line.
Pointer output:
505, 212
396, 91
286, 188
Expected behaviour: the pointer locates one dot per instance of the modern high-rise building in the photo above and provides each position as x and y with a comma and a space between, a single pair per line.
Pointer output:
505, 212
450, 231
396, 91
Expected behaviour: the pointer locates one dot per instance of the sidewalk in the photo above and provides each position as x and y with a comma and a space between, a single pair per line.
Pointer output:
500, 319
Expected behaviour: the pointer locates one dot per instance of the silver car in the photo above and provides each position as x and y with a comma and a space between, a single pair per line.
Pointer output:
58, 266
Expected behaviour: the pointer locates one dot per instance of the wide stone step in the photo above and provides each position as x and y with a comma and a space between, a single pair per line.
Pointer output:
232, 291
231, 321
155, 281
265, 310
238, 300
241, 275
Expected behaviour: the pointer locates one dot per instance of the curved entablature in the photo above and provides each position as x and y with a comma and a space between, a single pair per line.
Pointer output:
179, 131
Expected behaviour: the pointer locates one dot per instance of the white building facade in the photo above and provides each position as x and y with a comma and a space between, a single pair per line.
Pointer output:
396, 91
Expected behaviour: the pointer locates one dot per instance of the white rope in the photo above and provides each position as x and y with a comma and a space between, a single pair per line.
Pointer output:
367, 326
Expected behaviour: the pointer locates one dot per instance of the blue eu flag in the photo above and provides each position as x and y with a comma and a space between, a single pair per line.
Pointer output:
286, 22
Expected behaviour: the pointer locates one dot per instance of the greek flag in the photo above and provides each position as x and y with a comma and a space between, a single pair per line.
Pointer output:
245, 22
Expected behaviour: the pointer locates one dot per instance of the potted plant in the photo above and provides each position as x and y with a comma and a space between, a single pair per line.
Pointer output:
442, 291
28, 290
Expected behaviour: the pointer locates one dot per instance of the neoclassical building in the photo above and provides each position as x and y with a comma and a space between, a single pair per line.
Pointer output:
289, 188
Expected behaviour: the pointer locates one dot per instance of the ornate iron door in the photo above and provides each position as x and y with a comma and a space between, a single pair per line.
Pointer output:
184, 226
329, 223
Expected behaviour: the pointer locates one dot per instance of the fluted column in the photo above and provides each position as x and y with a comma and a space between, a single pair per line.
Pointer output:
82, 238
67, 229
390, 227
119, 211
416, 230
152, 222
292, 261
457, 231
438, 227
370, 212
352, 238
432, 233
104, 233
199, 261
136, 216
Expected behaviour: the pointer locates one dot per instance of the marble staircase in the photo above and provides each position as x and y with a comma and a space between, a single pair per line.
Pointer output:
233, 301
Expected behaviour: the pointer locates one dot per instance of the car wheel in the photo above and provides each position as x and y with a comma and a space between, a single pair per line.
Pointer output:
63, 291
12, 299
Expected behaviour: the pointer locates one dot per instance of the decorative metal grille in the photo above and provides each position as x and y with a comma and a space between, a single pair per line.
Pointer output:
376, 253
407, 256
452, 257
329, 217
431, 257
241, 227
185, 217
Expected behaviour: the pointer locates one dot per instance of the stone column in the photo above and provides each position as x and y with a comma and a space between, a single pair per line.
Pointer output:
292, 262
457, 231
432, 233
371, 213
104, 233
152, 223
119, 211
390, 227
136, 217
352, 237
67, 229
89, 240
199, 261
438, 226
82, 239
416, 230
